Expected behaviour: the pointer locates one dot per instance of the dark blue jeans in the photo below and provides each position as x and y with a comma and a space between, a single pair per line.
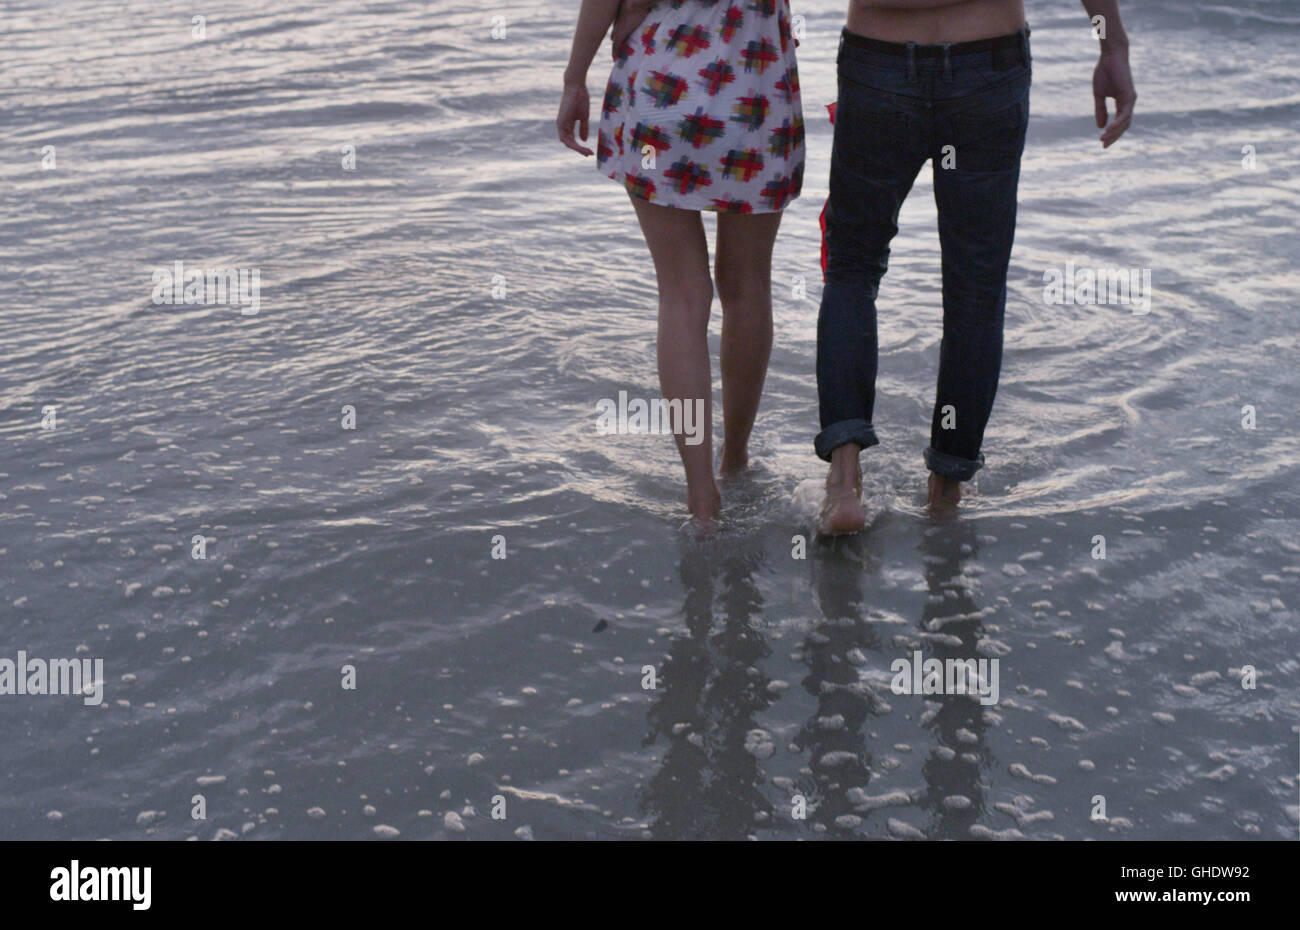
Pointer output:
964, 106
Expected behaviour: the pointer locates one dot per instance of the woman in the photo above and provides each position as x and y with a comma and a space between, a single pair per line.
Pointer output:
701, 113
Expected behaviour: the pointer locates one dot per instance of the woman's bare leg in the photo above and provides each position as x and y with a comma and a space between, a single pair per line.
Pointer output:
742, 270
681, 256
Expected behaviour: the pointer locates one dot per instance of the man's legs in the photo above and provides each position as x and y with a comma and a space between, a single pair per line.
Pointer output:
976, 200
874, 160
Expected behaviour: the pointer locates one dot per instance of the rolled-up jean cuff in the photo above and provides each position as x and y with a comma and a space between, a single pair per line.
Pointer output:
837, 434
950, 466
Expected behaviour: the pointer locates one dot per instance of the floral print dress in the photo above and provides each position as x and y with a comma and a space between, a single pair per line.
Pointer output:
702, 110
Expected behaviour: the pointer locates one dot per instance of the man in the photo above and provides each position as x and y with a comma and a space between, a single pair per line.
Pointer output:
947, 81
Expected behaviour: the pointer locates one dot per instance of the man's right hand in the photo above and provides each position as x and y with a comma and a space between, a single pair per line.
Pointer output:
1112, 78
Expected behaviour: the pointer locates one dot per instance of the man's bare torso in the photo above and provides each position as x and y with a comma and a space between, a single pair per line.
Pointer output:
960, 21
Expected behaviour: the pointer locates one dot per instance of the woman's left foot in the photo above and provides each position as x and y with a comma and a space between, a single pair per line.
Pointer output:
729, 466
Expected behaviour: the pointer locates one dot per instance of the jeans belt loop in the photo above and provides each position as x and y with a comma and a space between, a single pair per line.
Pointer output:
947, 62
911, 62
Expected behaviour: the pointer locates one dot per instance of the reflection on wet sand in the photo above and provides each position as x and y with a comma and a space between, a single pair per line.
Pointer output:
954, 794
715, 779
709, 784
840, 639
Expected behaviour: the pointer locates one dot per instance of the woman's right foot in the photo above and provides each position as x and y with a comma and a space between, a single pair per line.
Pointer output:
705, 508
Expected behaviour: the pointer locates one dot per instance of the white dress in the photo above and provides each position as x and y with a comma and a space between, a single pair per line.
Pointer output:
702, 109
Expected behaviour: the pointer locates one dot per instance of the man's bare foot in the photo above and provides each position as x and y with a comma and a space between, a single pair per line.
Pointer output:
842, 511
944, 494
729, 466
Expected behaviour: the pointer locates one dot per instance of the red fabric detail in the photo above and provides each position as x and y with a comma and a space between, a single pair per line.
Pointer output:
822, 219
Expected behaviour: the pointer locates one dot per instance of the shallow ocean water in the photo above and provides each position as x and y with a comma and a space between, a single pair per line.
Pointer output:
472, 289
